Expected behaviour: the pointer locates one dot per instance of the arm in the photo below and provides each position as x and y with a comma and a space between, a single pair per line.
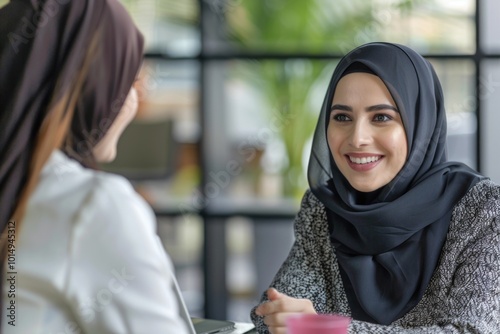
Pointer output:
272, 296
301, 278
121, 280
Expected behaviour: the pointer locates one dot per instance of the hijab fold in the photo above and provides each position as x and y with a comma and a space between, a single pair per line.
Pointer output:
43, 45
388, 244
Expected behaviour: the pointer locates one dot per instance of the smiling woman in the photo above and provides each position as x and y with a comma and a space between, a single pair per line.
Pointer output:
387, 218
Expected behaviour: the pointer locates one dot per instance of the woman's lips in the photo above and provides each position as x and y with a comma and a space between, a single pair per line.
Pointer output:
363, 162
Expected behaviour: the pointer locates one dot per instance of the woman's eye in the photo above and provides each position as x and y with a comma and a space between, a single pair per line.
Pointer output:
340, 118
381, 118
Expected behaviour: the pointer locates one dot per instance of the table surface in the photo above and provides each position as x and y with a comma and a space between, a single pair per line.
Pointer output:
241, 326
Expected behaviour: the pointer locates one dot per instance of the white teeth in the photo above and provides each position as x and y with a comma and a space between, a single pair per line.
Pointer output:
365, 160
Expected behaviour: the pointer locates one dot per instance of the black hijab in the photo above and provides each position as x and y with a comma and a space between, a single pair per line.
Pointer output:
388, 242
43, 44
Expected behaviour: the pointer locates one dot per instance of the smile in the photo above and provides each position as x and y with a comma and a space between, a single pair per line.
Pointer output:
364, 160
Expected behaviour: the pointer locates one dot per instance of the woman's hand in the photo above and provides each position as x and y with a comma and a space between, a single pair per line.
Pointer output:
281, 307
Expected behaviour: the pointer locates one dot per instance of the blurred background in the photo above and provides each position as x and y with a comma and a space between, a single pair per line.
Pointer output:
230, 92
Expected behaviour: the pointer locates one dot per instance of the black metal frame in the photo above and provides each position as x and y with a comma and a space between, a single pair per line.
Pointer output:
214, 249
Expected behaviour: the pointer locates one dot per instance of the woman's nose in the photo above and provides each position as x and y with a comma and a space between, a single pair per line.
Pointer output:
360, 134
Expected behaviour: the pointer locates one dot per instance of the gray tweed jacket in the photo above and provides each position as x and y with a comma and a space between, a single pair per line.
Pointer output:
462, 297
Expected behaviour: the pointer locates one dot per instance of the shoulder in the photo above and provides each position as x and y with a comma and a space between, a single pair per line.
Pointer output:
114, 199
485, 189
474, 217
114, 226
311, 202
114, 186
311, 216
89, 197
310, 206
482, 200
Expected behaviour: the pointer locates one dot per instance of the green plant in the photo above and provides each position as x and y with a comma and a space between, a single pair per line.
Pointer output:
298, 26
294, 26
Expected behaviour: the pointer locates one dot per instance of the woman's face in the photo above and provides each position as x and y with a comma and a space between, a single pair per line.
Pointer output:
365, 132
105, 150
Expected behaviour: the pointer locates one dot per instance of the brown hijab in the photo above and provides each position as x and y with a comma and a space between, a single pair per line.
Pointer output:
43, 48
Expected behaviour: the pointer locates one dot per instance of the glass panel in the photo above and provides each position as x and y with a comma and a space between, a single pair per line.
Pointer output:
170, 26
240, 268
182, 238
489, 24
256, 250
261, 116
158, 150
429, 26
315, 26
458, 81
490, 119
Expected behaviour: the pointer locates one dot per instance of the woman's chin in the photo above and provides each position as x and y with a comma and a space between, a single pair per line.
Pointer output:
105, 156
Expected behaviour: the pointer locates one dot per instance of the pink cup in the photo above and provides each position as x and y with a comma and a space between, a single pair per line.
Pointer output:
317, 324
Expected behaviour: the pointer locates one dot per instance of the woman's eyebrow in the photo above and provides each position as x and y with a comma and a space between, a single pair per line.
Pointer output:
341, 107
376, 107
379, 107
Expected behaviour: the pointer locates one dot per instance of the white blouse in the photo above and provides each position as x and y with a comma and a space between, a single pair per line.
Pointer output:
88, 260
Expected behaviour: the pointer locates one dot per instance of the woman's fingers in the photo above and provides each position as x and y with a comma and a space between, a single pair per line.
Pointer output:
279, 308
277, 330
273, 294
281, 303
276, 322
277, 319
